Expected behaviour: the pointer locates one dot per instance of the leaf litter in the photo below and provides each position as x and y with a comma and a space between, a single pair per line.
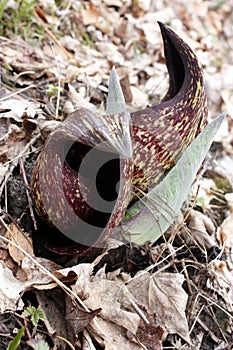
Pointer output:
180, 292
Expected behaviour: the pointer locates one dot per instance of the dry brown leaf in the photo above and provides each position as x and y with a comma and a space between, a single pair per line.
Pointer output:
77, 99
52, 305
35, 277
200, 231
113, 298
140, 98
115, 319
20, 238
90, 15
10, 290
162, 295
225, 234
13, 138
46, 126
40, 280
83, 287
150, 334
111, 336
79, 319
221, 280
16, 108
225, 231
111, 52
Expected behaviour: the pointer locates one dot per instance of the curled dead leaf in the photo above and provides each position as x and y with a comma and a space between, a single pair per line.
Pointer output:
90, 15
200, 231
79, 319
221, 281
20, 238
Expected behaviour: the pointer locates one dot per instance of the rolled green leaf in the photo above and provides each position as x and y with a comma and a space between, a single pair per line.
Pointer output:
165, 200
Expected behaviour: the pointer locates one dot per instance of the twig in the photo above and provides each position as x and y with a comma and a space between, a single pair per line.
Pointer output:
15, 161
187, 276
139, 311
17, 92
53, 37
66, 289
41, 267
65, 340
22, 170
59, 82
208, 330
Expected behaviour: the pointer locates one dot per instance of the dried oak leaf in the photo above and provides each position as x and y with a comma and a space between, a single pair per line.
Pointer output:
114, 299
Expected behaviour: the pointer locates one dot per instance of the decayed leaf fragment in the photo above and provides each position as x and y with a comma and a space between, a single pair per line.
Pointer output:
90, 15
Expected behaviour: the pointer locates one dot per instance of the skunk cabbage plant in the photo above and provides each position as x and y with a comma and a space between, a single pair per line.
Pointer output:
94, 165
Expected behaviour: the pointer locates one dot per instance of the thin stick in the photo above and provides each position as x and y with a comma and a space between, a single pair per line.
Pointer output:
139, 311
208, 330
53, 37
17, 92
65, 340
15, 161
59, 81
41, 267
66, 289
22, 170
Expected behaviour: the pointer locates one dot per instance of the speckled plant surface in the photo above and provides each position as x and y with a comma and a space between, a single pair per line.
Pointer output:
121, 148
65, 186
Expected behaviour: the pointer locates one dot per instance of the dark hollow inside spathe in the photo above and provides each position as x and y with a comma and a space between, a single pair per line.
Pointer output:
103, 180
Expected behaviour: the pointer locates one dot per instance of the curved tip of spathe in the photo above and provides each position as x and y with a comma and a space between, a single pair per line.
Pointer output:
166, 29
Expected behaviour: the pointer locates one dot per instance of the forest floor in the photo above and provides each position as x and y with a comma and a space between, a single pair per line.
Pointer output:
176, 293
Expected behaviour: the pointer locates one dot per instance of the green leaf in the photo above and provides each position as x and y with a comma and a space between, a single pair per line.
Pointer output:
116, 101
37, 344
35, 314
14, 343
164, 201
